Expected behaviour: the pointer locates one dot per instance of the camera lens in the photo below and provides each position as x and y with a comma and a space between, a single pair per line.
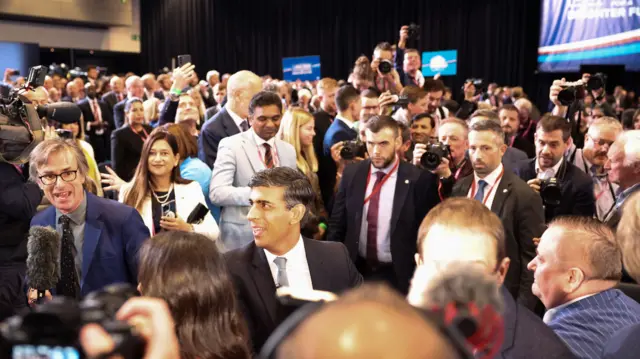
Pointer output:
567, 96
347, 153
430, 160
385, 66
551, 193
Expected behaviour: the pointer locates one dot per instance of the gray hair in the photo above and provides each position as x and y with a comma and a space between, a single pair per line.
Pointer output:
40, 156
629, 142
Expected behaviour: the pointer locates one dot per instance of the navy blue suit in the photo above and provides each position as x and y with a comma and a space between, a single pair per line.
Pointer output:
624, 345
337, 132
218, 127
113, 234
588, 324
526, 336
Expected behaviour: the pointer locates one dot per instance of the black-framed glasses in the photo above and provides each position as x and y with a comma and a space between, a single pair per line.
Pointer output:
66, 176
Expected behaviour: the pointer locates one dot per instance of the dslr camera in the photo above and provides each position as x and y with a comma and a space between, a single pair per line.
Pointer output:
385, 66
571, 91
550, 191
413, 32
352, 149
477, 82
53, 328
431, 159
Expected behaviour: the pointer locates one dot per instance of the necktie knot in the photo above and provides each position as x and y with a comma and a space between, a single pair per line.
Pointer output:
282, 280
479, 196
244, 125
64, 220
281, 263
380, 175
482, 184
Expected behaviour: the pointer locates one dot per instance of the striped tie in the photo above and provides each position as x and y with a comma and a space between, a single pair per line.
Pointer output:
268, 157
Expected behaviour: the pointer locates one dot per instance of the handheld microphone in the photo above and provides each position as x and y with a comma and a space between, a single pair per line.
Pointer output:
43, 259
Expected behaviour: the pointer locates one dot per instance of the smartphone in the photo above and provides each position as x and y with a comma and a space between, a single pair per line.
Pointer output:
14, 73
44, 352
183, 59
167, 212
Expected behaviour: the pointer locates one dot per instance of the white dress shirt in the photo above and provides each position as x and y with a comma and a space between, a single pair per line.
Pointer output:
237, 119
548, 316
349, 123
385, 208
554, 170
260, 143
297, 267
492, 184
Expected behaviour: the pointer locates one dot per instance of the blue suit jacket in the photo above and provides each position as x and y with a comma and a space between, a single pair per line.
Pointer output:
213, 131
337, 132
588, 324
526, 336
113, 234
624, 345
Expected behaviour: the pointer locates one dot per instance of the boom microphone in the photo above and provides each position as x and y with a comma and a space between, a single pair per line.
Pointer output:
62, 112
43, 259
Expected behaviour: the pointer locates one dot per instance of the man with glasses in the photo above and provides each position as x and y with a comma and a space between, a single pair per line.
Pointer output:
591, 159
100, 238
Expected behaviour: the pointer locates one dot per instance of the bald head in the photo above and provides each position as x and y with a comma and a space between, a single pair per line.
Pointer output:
117, 84
241, 87
369, 322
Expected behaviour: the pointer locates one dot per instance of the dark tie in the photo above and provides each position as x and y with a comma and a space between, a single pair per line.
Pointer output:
68, 284
268, 157
283, 280
244, 125
480, 194
372, 222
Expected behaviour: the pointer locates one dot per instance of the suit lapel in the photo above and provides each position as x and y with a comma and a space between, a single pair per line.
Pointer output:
502, 193
402, 189
263, 280
92, 231
359, 190
230, 127
510, 321
251, 149
465, 185
319, 278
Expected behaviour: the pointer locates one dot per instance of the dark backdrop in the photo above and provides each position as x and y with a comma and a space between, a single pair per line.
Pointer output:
496, 39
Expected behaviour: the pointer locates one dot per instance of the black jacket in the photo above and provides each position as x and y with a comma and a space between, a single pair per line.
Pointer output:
19, 201
415, 194
522, 215
329, 267
576, 188
126, 149
218, 127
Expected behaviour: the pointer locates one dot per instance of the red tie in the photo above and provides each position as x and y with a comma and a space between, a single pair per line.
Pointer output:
372, 223
120, 97
96, 111
268, 157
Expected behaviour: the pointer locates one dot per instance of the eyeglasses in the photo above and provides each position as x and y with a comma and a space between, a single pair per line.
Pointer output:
66, 176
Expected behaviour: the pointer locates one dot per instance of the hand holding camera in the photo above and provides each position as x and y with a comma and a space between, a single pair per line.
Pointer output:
404, 36
386, 101
534, 184
433, 157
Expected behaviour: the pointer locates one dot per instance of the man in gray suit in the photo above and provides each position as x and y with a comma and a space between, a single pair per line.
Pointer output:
239, 157
512, 156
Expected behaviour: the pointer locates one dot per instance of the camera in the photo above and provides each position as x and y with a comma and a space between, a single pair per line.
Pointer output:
352, 149
413, 33
431, 159
52, 329
77, 72
65, 134
478, 83
550, 191
385, 66
571, 91
596, 81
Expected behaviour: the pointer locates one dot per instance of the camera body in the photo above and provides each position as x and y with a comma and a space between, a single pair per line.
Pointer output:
385, 66
477, 82
53, 328
431, 159
571, 91
551, 191
413, 32
352, 149
597, 81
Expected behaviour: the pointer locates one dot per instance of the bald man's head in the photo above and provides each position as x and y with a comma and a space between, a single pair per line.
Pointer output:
369, 322
241, 87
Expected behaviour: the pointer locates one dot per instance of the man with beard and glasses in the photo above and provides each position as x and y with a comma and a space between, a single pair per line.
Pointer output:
602, 133
576, 188
509, 197
98, 121
379, 206
510, 119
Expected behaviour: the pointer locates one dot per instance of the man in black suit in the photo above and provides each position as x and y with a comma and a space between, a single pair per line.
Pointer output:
512, 156
517, 205
73, 92
576, 195
279, 256
510, 120
116, 94
135, 88
232, 119
326, 89
463, 230
98, 122
379, 206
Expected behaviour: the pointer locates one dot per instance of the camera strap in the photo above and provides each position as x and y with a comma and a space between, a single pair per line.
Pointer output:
384, 179
486, 196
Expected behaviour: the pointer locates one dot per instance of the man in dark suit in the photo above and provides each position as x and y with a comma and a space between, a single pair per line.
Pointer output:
116, 94
379, 206
98, 123
73, 92
510, 119
326, 89
576, 188
464, 230
135, 88
279, 256
100, 237
509, 197
232, 119
512, 156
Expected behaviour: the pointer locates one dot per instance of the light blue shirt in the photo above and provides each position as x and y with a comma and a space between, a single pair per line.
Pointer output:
385, 208
194, 169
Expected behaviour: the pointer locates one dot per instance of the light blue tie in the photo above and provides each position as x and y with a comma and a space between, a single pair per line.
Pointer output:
283, 280
480, 193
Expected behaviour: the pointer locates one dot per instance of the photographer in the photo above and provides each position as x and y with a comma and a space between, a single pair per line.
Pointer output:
593, 85
565, 190
408, 60
385, 77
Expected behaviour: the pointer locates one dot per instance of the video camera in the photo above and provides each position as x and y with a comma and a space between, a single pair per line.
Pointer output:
53, 328
21, 125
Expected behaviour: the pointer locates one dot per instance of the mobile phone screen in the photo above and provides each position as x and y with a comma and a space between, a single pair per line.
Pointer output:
44, 352
183, 59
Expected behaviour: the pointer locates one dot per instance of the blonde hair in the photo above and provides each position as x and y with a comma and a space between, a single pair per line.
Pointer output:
151, 110
627, 235
326, 83
292, 120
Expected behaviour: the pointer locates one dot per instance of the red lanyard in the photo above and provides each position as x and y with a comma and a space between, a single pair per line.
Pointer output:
138, 133
513, 138
606, 186
384, 179
526, 132
486, 196
457, 175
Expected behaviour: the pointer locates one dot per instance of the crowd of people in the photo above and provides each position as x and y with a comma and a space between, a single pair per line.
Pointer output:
211, 196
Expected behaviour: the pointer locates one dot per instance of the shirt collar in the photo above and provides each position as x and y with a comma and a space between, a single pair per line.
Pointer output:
78, 216
237, 119
260, 141
554, 168
492, 177
349, 123
548, 316
626, 194
385, 170
292, 255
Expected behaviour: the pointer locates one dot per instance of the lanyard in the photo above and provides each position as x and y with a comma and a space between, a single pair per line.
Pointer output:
457, 175
486, 196
138, 133
513, 138
378, 186
608, 184
526, 132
